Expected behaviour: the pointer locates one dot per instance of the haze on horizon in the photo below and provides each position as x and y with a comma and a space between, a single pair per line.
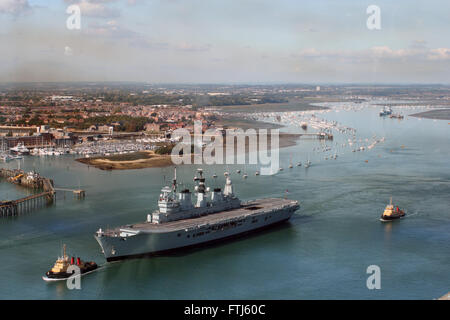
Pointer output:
216, 41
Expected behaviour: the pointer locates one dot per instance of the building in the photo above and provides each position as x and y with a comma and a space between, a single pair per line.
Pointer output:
17, 131
41, 140
152, 127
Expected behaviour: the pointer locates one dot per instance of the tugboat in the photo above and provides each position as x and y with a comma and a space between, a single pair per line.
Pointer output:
392, 213
60, 269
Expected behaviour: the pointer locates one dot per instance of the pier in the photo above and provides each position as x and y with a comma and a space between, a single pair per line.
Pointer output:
24, 205
29, 203
79, 193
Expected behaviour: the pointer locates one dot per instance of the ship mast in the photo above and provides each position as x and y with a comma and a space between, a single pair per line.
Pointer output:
174, 181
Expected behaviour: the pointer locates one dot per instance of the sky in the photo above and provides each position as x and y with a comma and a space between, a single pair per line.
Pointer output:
225, 41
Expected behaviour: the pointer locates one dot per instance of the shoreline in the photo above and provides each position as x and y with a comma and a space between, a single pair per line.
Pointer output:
135, 160
438, 114
149, 159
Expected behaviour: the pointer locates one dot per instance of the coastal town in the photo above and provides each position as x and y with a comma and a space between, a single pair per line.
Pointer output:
42, 117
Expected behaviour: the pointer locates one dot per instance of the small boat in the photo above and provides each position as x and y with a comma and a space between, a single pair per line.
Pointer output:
392, 212
257, 173
20, 149
60, 269
307, 164
386, 111
299, 164
394, 115
6, 157
238, 171
214, 176
304, 125
245, 176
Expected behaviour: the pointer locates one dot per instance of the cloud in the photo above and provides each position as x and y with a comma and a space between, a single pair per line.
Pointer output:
416, 52
418, 44
110, 29
14, 7
439, 54
95, 8
184, 46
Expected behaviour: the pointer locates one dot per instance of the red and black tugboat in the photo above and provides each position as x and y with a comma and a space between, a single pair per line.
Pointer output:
392, 213
60, 269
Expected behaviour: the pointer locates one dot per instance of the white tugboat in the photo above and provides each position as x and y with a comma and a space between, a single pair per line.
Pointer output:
178, 223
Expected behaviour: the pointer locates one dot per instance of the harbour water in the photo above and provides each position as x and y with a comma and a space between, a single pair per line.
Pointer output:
322, 253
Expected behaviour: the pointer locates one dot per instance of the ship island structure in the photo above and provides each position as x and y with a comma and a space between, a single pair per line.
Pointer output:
178, 223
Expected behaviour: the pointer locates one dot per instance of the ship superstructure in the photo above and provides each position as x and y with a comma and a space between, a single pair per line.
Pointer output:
177, 206
178, 223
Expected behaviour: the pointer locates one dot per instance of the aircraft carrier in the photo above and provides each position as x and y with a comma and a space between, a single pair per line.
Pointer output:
179, 224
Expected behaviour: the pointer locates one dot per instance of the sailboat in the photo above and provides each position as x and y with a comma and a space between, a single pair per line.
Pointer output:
308, 163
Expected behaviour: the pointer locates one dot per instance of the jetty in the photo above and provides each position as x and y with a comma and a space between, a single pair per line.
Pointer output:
27, 204
79, 193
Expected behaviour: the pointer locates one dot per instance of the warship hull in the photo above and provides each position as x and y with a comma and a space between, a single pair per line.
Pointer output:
149, 239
